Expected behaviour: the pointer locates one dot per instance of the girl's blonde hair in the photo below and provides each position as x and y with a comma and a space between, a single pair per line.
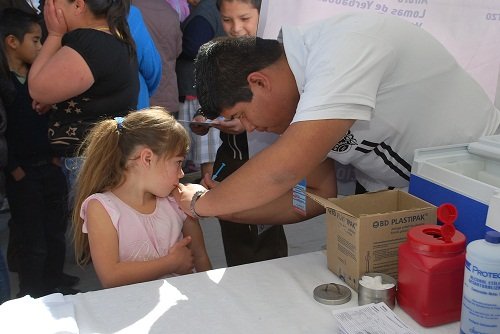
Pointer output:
107, 149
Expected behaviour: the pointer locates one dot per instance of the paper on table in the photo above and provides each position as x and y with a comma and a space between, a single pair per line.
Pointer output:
370, 318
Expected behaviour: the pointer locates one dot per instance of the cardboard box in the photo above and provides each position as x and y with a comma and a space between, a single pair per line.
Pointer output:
365, 231
466, 175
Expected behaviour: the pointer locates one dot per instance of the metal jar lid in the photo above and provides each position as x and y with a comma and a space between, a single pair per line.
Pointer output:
332, 294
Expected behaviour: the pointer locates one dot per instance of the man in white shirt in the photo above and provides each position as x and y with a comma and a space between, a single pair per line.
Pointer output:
363, 89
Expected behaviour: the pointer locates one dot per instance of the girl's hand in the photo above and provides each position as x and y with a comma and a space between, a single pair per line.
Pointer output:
182, 257
54, 19
233, 126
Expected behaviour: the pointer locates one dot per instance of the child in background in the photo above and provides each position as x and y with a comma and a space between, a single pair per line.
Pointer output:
7, 94
243, 243
124, 219
35, 184
202, 25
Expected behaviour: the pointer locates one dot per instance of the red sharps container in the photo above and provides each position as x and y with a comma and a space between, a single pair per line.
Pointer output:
431, 271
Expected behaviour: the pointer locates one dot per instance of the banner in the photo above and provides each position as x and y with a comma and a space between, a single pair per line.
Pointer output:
469, 29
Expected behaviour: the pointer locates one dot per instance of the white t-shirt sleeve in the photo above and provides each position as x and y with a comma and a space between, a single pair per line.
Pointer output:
339, 69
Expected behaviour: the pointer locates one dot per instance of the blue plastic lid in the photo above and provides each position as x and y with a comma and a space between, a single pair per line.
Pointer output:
492, 237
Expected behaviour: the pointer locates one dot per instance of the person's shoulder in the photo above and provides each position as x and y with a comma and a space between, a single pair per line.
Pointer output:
171, 205
134, 14
106, 200
88, 35
96, 196
77, 36
91, 41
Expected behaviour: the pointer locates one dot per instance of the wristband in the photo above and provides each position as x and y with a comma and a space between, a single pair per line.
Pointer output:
196, 196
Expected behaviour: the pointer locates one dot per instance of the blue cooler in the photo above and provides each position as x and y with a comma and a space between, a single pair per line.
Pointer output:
466, 175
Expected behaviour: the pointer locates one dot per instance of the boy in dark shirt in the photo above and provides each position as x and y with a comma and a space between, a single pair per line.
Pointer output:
35, 184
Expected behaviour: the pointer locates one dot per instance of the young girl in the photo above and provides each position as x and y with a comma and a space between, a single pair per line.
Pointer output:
124, 218
239, 17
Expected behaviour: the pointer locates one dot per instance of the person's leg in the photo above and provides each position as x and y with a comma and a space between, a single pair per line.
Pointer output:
239, 243
271, 243
4, 280
185, 115
204, 148
26, 204
55, 222
13, 248
244, 244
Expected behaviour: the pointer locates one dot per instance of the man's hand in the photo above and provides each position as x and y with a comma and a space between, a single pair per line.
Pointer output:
184, 194
233, 126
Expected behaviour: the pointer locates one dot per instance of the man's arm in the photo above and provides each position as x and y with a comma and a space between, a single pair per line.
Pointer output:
272, 172
322, 182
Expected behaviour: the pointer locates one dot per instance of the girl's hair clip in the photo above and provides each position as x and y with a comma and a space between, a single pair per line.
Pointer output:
119, 123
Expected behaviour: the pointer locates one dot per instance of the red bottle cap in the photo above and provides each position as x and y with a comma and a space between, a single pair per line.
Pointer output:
438, 240
447, 214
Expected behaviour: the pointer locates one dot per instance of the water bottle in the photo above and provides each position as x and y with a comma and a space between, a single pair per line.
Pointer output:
481, 293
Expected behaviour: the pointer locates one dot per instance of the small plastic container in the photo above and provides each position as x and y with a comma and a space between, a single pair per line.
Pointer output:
367, 295
430, 271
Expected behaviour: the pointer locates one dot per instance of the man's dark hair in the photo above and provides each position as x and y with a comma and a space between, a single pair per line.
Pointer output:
17, 23
223, 65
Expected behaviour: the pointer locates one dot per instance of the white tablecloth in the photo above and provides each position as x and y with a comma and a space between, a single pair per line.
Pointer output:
267, 297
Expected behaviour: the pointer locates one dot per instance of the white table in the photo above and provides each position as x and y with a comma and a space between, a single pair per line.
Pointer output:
267, 297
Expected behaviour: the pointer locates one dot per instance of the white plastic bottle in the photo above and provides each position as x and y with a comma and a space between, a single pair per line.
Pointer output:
481, 295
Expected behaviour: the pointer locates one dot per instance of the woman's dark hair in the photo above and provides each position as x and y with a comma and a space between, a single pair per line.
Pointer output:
223, 65
115, 12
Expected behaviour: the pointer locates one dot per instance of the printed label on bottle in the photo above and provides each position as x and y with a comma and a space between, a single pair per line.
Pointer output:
481, 299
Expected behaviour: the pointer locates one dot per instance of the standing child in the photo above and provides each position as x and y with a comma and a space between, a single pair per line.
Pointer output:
124, 218
35, 184
243, 243
202, 25
7, 93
